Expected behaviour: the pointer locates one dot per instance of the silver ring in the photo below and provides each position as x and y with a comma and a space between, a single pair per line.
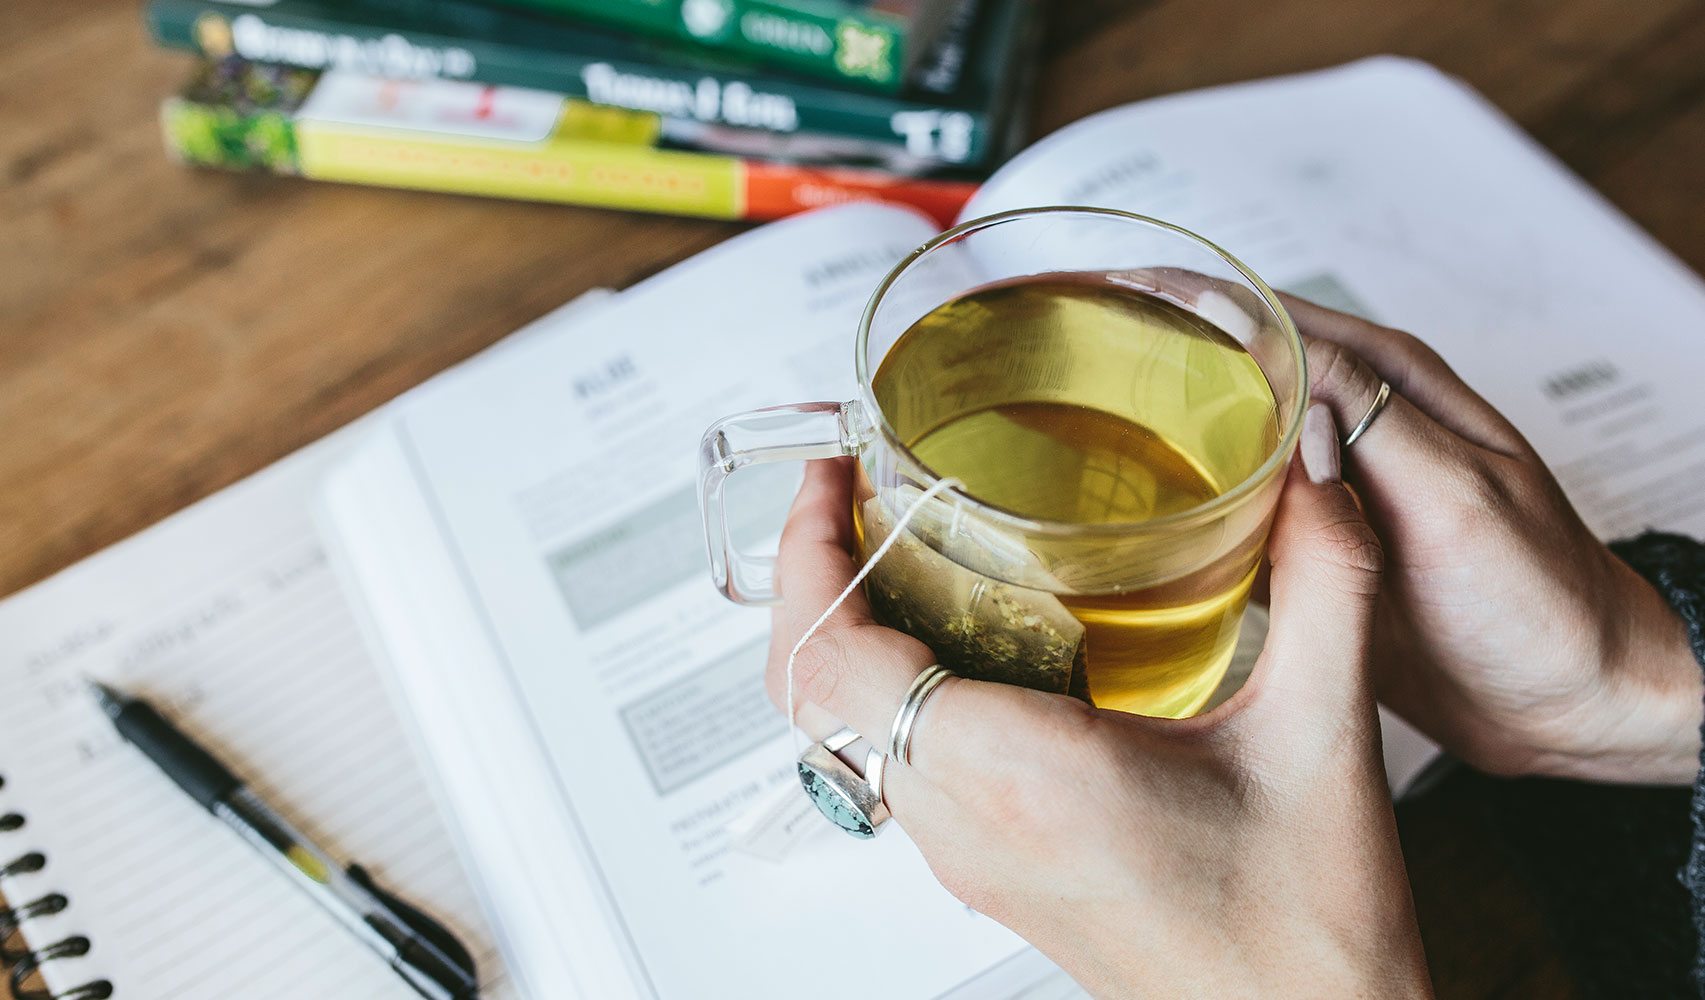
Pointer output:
900, 735
850, 800
875, 767
1368, 418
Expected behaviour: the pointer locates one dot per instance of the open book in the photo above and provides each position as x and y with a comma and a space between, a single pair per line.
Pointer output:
526, 542
520, 546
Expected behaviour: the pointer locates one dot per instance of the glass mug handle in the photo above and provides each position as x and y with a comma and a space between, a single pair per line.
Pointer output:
774, 434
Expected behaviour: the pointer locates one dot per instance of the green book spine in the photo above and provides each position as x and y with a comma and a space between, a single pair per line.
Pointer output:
464, 41
850, 42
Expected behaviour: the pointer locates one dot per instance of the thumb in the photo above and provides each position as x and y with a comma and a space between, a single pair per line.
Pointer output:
1326, 565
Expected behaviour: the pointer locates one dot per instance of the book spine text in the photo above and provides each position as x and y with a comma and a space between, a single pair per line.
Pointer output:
320, 39
842, 42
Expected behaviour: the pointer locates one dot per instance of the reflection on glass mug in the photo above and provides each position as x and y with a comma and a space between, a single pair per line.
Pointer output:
1120, 399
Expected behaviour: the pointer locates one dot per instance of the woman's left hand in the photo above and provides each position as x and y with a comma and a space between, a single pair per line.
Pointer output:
1247, 852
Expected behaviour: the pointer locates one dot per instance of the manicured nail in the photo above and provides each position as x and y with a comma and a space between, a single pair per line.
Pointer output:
1319, 445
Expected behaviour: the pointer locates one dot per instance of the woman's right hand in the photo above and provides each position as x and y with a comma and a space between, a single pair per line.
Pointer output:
1506, 630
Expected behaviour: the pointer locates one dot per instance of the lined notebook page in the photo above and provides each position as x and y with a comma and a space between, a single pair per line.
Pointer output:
228, 618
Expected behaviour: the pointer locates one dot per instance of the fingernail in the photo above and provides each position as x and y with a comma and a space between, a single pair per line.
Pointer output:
1319, 445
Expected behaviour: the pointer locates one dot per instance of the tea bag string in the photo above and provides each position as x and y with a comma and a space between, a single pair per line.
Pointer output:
941, 486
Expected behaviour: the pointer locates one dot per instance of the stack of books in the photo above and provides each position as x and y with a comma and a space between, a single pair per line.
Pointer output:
736, 109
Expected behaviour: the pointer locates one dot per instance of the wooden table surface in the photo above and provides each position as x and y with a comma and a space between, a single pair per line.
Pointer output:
165, 332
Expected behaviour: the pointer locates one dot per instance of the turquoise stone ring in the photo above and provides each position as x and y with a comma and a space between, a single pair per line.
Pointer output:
850, 800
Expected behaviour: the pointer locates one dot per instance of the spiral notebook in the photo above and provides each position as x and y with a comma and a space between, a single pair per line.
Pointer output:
229, 617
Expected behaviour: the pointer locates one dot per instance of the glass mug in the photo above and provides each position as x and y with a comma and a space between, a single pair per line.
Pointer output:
1120, 399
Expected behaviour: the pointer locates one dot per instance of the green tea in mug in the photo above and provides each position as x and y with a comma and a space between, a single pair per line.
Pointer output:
1085, 401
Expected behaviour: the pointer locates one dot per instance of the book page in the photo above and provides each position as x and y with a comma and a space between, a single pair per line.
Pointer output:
469, 728
1389, 190
564, 488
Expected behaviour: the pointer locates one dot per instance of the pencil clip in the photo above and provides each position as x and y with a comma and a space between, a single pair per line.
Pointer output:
440, 936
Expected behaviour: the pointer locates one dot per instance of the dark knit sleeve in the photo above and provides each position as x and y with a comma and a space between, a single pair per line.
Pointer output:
1676, 567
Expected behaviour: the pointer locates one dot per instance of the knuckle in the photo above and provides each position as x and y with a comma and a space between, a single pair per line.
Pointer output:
1350, 543
1420, 364
1483, 497
1335, 368
1414, 348
1014, 798
818, 668
1018, 796
1005, 801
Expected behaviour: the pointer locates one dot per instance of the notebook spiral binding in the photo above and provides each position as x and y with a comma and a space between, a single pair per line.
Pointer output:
23, 961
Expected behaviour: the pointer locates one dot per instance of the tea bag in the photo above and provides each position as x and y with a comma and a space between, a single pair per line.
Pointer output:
977, 625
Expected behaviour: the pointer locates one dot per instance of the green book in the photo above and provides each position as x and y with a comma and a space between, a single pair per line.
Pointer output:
505, 142
974, 62
864, 43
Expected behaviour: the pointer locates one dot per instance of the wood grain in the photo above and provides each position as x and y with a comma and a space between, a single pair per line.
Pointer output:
165, 332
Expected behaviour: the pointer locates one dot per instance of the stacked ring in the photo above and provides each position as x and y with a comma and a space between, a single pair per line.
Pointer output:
900, 735
850, 800
1379, 400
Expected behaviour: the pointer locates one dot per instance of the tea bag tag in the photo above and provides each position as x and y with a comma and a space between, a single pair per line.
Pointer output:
941, 486
786, 818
